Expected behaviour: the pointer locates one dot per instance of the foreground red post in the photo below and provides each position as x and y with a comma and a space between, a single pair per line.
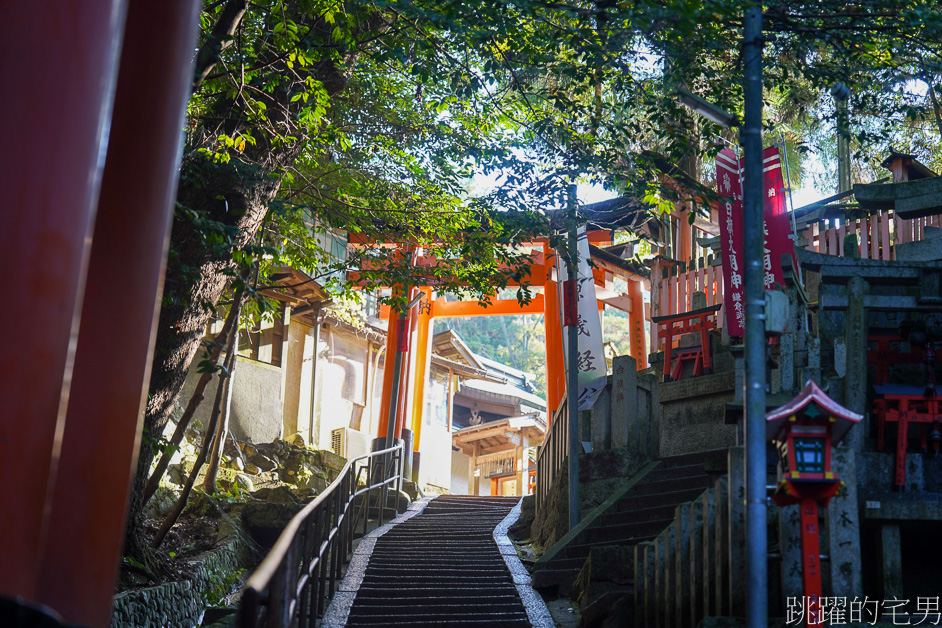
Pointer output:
119, 313
58, 62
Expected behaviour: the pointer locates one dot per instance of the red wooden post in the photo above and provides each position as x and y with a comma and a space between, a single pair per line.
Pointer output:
423, 359
811, 563
392, 343
555, 370
636, 324
125, 277
58, 62
902, 431
705, 328
668, 349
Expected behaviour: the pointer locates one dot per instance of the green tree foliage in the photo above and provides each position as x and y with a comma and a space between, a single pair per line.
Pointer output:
315, 118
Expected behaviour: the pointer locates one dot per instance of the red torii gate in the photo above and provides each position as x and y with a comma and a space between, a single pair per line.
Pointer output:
416, 359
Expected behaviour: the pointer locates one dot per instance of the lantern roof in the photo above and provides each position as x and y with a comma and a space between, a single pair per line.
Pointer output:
813, 401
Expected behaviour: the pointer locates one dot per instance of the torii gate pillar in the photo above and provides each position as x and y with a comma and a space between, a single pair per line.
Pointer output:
423, 361
389, 384
555, 371
636, 324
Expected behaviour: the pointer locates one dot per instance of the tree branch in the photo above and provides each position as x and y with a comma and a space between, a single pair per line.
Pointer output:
219, 39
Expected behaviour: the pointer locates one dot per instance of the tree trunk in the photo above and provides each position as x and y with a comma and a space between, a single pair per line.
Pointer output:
224, 380
222, 427
196, 277
218, 444
218, 343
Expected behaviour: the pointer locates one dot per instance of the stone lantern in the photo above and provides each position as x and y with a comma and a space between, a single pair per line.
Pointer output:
804, 431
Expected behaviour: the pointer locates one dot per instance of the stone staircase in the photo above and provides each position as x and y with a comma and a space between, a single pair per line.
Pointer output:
638, 510
441, 567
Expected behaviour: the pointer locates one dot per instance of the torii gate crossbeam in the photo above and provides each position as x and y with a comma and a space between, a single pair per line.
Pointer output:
416, 347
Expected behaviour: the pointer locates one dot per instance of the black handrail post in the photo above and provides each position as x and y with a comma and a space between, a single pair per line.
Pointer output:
339, 551
321, 563
402, 472
351, 521
369, 495
305, 606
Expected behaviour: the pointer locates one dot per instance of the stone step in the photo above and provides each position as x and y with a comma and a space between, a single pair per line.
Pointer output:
560, 563
423, 609
408, 622
443, 580
583, 549
701, 481
433, 562
463, 591
395, 597
712, 457
637, 515
673, 473
649, 500
556, 581
604, 535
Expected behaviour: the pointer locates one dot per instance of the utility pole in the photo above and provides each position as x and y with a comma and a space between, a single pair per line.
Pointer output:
755, 349
840, 92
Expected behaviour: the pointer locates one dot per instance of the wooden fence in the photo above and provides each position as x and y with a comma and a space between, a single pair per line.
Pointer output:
877, 234
877, 237
500, 463
553, 454
674, 293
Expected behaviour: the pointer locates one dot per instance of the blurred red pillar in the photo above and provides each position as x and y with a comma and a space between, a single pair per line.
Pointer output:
119, 314
70, 440
58, 61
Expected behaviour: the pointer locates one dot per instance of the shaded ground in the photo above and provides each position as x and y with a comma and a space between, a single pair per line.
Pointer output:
191, 536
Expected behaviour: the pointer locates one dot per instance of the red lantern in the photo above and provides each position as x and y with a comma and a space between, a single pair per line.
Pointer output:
804, 431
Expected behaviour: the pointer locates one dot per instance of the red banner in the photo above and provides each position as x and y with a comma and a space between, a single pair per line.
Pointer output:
775, 229
729, 186
777, 242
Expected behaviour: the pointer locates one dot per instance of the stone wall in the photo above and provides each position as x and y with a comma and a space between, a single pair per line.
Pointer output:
171, 604
601, 473
182, 603
257, 401
693, 414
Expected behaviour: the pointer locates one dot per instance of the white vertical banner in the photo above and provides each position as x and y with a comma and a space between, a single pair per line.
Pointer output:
591, 361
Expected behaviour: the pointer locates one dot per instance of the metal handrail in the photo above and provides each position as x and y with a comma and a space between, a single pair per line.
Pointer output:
300, 573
